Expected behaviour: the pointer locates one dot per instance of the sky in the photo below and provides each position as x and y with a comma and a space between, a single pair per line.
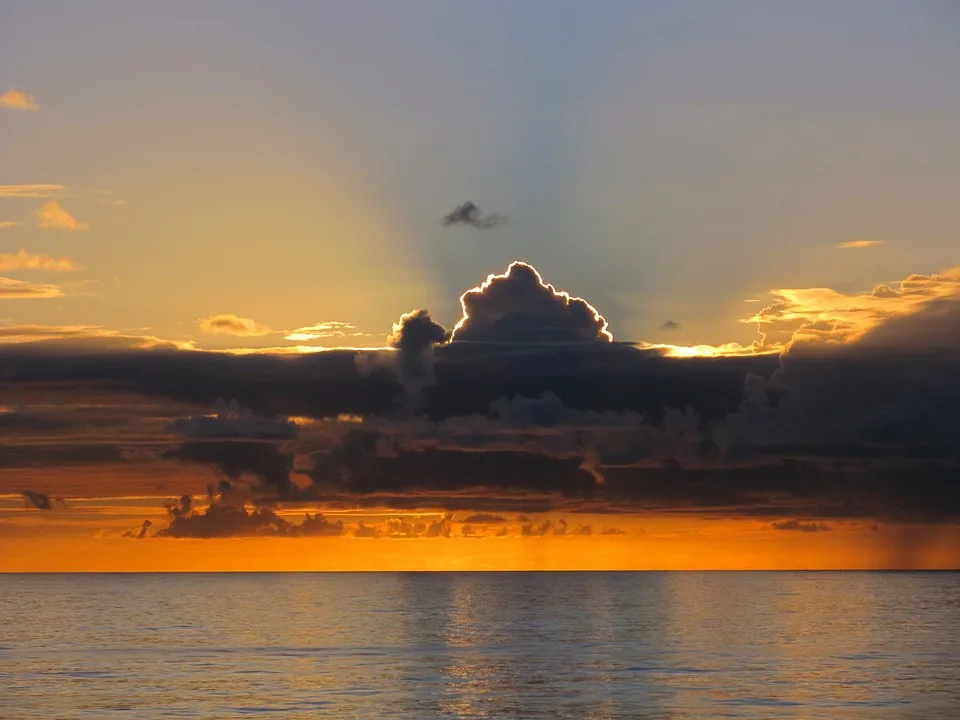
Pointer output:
731, 340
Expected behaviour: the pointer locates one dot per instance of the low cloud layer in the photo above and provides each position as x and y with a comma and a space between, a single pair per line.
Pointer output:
470, 214
853, 425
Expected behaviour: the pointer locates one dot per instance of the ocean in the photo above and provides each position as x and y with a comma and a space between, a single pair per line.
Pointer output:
481, 645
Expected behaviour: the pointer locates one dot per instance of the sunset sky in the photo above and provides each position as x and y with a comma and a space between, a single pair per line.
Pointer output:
260, 261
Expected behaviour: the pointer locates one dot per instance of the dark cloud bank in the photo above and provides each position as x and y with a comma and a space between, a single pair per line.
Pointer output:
532, 407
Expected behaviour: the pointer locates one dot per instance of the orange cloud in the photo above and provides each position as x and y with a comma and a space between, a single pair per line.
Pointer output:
859, 244
826, 316
91, 336
53, 217
18, 289
23, 260
32, 191
230, 324
8, 224
16, 100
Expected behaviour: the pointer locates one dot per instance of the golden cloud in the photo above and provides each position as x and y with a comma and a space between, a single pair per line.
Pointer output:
22, 260
8, 224
18, 289
826, 316
230, 324
859, 244
93, 336
53, 217
32, 191
16, 100
329, 329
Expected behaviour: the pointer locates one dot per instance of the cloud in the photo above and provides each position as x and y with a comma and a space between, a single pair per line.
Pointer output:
484, 519
42, 501
823, 317
323, 330
414, 336
140, 533
259, 471
32, 191
518, 306
800, 526
55, 339
53, 217
230, 324
22, 260
17, 100
20, 289
469, 214
230, 420
859, 244
4, 224
865, 428
225, 517
670, 325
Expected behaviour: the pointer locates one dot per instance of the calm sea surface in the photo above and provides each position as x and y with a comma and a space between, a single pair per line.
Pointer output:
481, 645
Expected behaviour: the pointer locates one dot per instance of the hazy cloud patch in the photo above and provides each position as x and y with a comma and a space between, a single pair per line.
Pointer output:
17, 100
52, 216
23, 290
230, 324
22, 260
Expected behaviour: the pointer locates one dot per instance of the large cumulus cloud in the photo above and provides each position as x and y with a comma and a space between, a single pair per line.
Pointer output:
518, 306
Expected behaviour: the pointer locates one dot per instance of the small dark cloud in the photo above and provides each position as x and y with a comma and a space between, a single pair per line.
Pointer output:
226, 515
484, 519
140, 533
414, 336
42, 501
612, 531
670, 325
800, 526
470, 214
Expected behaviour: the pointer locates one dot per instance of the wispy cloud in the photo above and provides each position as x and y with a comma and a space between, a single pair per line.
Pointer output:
8, 224
329, 329
22, 260
859, 244
107, 197
16, 100
52, 216
12, 289
36, 190
230, 324
76, 337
